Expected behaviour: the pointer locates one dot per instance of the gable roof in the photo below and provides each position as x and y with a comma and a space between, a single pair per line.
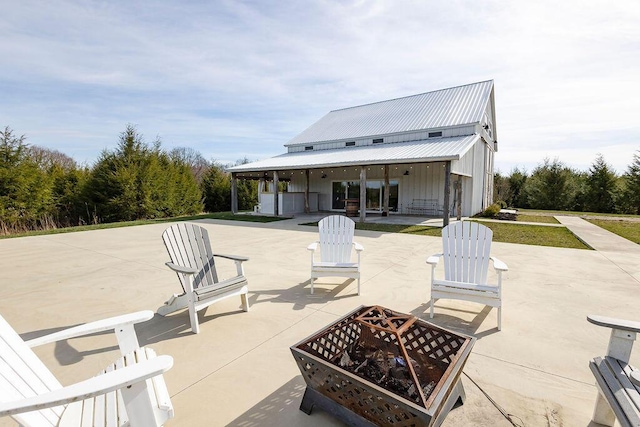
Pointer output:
433, 149
454, 106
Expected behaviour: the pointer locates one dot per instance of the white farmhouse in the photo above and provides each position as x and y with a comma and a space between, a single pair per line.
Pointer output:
429, 154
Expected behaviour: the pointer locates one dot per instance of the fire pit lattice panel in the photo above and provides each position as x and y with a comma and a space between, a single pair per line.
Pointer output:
385, 366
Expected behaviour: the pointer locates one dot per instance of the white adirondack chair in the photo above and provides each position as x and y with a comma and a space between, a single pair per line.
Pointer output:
618, 382
193, 261
466, 253
336, 242
129, 392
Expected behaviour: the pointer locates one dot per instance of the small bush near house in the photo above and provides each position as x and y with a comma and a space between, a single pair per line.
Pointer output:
491, 211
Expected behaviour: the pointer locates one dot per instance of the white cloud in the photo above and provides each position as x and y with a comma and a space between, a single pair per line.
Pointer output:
232, 78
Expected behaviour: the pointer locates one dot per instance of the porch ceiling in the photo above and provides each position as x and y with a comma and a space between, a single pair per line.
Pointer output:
431, 150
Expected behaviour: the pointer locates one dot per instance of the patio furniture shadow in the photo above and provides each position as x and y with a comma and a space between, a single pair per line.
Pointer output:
456, 323
299, 295
281, 408
64, 352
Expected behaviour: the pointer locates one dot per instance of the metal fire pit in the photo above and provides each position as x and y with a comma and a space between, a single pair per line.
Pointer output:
431, 359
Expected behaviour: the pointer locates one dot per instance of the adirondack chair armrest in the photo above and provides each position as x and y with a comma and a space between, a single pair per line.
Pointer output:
180, 269
233, 257
112, 323
635, 378
312, 247
434, 259
609, 322
358, 247
499, 265
96, 386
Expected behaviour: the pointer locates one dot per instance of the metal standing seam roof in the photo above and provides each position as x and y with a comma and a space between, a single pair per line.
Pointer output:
438, 109
433, 149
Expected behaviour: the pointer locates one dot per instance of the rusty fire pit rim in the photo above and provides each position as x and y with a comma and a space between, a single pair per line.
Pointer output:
447, 379
325, 329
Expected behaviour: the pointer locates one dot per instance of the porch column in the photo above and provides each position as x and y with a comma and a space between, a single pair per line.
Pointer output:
275, 194
459, 204
234, 193
385, 205
306, 193
447, 191
363, 193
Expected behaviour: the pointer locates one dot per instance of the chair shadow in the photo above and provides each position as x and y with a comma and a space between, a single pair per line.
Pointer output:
63, 351
177, 325
281, 408
300, 294
455, 323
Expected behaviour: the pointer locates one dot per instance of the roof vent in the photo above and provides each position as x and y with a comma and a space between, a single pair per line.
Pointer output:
378, 141
349, 144
435, 134
308, 148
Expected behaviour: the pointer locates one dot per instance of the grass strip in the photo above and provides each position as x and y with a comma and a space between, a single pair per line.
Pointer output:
523, 234
630, 230
216, 215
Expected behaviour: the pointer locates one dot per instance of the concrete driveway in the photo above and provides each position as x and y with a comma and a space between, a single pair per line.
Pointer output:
239, 370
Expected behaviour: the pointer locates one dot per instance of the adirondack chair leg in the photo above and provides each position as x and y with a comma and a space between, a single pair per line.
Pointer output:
500, 318
433, 301
358, 285
311, 285
193, 316
602, 413
245, 302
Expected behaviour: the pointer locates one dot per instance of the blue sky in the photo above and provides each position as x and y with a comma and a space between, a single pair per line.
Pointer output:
235, 79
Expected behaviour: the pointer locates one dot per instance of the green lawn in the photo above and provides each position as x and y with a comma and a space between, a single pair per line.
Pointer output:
216, 215
628, 229
539, 235
548, 219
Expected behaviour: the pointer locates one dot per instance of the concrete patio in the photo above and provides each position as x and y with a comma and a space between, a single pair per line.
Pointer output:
239, 370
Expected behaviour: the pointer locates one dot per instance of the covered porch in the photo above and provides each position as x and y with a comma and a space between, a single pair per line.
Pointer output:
427, 189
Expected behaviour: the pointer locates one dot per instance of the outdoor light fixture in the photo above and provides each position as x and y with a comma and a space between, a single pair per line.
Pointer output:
324, 175
406, 172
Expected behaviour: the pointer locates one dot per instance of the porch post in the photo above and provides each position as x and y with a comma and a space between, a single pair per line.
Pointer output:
234, 193
385, 205
363, 193
306, 193
459, 205
275, 194
447, 191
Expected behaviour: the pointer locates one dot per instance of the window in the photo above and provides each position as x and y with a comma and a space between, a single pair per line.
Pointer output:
308, 148
378, 140
343, 190
435, 134
349, 144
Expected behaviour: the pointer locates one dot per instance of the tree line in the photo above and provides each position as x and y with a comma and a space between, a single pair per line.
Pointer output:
554, 186
42, 188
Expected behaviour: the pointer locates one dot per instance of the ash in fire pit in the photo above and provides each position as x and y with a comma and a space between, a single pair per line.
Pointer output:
390, 370
377, 365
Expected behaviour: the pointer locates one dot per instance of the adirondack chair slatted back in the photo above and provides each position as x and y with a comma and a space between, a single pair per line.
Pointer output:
336, 238
22, 374
189, 246
466, 249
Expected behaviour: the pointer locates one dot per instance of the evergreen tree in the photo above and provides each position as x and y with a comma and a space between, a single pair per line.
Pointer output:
25, 191
551, 186
631, 194
517, 180
601, 187
216, 188
139, 181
